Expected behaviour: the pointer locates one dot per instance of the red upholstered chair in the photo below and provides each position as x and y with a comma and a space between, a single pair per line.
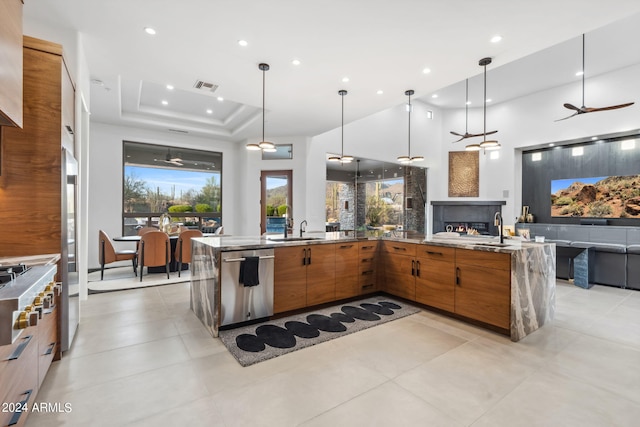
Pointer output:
183, 247
108, 254
153, 251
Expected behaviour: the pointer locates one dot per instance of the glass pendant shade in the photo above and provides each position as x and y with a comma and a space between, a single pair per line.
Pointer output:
473, 147
266, 145
490, 144
253, 147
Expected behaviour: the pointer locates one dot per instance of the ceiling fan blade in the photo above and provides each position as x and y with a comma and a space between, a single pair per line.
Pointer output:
568, 117
457, 140
611, 107
571, 107
456, 134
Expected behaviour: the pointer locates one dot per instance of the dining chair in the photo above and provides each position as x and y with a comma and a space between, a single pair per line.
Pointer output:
108, 254
154, 251
144, 230
183, 247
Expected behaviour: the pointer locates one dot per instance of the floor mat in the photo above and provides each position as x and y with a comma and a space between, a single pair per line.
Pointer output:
259, 342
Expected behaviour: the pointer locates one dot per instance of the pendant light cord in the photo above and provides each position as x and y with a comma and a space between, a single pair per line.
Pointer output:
263, 95
466, 107
484, 133
409, 128
582, 70
342, 129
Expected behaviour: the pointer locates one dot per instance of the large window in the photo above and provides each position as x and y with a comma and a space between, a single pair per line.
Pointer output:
185, 183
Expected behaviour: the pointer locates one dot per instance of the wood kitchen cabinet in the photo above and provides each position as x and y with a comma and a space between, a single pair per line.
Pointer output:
347, 284
483, 286
399, 268
11, 60
304, 276
368, 266
435, 281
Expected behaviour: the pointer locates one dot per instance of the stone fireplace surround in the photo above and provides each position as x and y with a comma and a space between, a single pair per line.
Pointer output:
468, 211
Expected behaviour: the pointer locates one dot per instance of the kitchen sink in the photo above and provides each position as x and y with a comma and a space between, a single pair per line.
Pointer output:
293, 239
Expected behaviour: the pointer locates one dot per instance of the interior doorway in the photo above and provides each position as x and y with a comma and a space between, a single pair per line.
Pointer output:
276, 200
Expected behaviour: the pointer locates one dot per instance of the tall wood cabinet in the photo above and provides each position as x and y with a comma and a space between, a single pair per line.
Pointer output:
11, 63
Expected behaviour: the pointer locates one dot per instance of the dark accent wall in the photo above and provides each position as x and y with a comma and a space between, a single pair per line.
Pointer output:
603, 158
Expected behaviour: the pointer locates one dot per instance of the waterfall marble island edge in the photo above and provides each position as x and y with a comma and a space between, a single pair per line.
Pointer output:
524, 301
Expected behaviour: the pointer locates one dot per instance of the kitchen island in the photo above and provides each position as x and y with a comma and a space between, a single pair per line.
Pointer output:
507, 287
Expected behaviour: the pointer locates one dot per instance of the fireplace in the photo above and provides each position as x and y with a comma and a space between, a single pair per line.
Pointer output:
463, 215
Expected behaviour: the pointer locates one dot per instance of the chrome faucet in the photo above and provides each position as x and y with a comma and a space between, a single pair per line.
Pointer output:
497, 221
305, 227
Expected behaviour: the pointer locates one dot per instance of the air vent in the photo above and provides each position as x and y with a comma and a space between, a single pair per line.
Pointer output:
177, 131
205, 86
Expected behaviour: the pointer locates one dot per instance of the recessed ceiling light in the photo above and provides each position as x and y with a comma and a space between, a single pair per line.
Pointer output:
435, 95
468, 102
243, 43
426, 70
380, 92
496, 39
489, 100
150, 31
579, 73
164, 102
345, 79
296, 62
220, 99
169, 87
551, 144
209, 111
593, 138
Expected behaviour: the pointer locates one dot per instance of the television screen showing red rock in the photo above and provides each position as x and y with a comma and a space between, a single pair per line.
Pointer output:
596, 197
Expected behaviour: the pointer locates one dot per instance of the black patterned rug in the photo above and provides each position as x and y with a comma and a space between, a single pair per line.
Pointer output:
259, 342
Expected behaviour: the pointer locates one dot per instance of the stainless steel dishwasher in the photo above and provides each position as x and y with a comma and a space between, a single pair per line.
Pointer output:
237, 302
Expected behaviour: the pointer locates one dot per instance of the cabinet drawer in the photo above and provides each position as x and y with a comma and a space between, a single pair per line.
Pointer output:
368, 247
498, 261
399, 248
366, 264
437, 253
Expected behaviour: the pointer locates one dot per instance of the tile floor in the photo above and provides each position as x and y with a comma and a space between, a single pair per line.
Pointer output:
142, 359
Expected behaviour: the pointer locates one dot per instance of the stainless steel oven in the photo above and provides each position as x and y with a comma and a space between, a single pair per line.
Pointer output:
237, 302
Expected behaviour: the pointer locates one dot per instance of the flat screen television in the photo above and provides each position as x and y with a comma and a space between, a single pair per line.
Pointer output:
596, 197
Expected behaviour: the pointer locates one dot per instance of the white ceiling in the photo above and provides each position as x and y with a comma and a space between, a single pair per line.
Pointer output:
378, 44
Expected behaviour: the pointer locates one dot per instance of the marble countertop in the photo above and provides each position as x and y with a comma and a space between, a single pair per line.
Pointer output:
480, 243
31, 260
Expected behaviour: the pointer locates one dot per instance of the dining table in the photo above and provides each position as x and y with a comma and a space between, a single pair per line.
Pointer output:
173, 241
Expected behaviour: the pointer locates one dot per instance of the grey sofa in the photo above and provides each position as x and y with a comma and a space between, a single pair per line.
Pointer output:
617, 250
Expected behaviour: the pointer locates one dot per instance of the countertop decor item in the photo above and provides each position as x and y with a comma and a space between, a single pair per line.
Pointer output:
263, 145
341, 158
408, 158
583, 109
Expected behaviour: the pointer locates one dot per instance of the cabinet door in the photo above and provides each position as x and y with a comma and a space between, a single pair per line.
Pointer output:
399, 276
11, 60
321, 273
289, 279
483, 294
435, 283
347, 270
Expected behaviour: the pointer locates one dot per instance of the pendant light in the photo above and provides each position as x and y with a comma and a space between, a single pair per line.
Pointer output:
408, 159
342, 158
263, 145
491, 144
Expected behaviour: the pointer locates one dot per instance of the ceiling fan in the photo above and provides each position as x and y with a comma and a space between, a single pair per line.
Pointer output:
583, 109
466, 120
173, 159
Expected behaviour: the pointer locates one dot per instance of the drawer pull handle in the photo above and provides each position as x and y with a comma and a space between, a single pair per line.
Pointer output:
367, 286
434, 253
367, 247
16, 415
367, 259
398, 248
345, 246
367, 272
18, 351
49, 349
